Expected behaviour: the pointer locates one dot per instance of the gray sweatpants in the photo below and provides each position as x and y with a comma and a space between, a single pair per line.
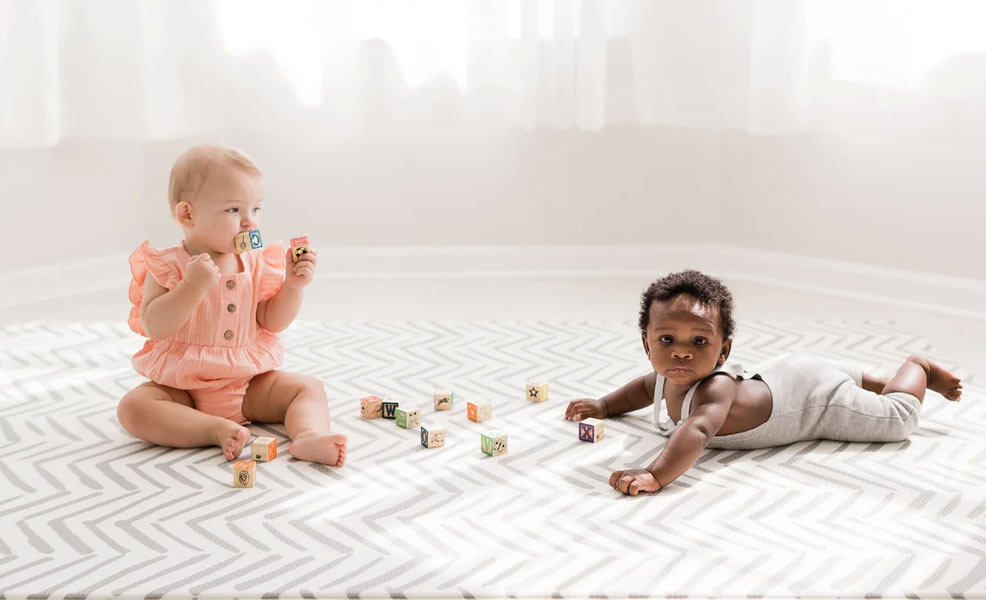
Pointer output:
815, 398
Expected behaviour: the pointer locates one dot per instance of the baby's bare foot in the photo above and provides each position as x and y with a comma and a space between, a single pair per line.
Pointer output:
326, 448
231, 438
943, 382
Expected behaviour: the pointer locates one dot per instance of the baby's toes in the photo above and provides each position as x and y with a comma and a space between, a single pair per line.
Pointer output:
342, 457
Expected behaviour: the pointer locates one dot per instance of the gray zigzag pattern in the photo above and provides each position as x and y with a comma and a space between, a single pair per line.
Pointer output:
88, 511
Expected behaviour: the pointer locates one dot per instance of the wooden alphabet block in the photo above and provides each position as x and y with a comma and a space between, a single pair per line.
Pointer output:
264, 449
243, 473
494, 443
408, 418
248, 240
479, 411
299, 248
536, 392
433, 437
388, 409
592, 430
371, 407
444, 400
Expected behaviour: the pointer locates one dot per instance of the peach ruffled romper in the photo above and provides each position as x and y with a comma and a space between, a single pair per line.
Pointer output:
221, 347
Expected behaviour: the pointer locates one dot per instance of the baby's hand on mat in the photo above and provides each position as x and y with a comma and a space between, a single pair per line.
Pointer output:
300, 274
584, 408
634, 481
201, 273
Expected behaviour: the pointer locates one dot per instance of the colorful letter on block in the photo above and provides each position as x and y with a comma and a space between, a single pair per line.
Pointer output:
433, 437
389, 409
444, 400
479, 411
243, 473
408, 418
591, 430
371, 407
299, 248
248, 240
264, 449
494, 443
537, 392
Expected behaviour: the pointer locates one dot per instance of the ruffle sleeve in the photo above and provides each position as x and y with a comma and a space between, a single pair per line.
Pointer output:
272, 265
146, 260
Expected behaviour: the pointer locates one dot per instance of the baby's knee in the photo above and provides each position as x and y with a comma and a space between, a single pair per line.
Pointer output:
128, 410
311, 386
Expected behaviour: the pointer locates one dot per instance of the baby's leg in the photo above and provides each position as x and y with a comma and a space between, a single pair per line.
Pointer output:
919, 373
167, 416
299, 401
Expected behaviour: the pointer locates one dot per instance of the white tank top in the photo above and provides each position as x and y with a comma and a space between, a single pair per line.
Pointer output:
665, 425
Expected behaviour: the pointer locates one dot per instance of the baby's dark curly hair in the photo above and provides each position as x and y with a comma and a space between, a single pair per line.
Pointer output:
707, 290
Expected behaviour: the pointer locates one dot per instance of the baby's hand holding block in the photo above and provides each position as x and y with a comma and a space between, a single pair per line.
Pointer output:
264, 449
299, 248
243, 473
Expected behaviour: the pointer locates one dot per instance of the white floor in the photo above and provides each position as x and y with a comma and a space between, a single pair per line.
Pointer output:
954, 339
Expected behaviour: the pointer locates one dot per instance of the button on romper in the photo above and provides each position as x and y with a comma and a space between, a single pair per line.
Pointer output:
221, 347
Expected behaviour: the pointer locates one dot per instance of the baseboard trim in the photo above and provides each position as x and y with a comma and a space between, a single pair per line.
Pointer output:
926, 292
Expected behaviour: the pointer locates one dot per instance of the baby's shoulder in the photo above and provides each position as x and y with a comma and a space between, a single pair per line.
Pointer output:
718, 386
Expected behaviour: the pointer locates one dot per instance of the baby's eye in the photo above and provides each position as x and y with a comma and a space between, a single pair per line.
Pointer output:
232, 210
256, 210
700, 341
665, 339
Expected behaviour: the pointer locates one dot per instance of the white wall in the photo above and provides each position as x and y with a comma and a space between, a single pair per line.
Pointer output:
869, 200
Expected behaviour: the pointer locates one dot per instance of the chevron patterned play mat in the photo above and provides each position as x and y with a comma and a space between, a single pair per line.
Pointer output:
86, 511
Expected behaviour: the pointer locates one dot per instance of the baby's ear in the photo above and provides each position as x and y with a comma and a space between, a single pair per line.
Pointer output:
183, 213
643, 340
727, 346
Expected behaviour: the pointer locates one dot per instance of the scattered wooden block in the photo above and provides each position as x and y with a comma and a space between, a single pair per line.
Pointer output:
444, 400
479, 411
494, 443
243, 473
248, 240
592, 430
408, 418
264, 449
371, 407
299, 248
389, 409
536, 392
433, 437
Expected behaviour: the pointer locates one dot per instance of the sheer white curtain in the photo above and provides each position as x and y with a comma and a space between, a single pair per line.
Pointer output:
162, 69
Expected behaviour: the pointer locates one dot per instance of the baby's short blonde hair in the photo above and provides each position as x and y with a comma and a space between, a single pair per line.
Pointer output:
194, 165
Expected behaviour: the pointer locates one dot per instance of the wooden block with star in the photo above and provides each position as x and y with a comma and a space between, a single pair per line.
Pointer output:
444, 400
244, 473
479, 411
264, 449
536, 392
248, 240
493, 443
371, 407
591, 430
407, 418
432, 437
299, 248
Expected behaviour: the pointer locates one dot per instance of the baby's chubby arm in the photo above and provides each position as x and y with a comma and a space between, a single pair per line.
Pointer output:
278, 312
710, 406
636, 394
163, 312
